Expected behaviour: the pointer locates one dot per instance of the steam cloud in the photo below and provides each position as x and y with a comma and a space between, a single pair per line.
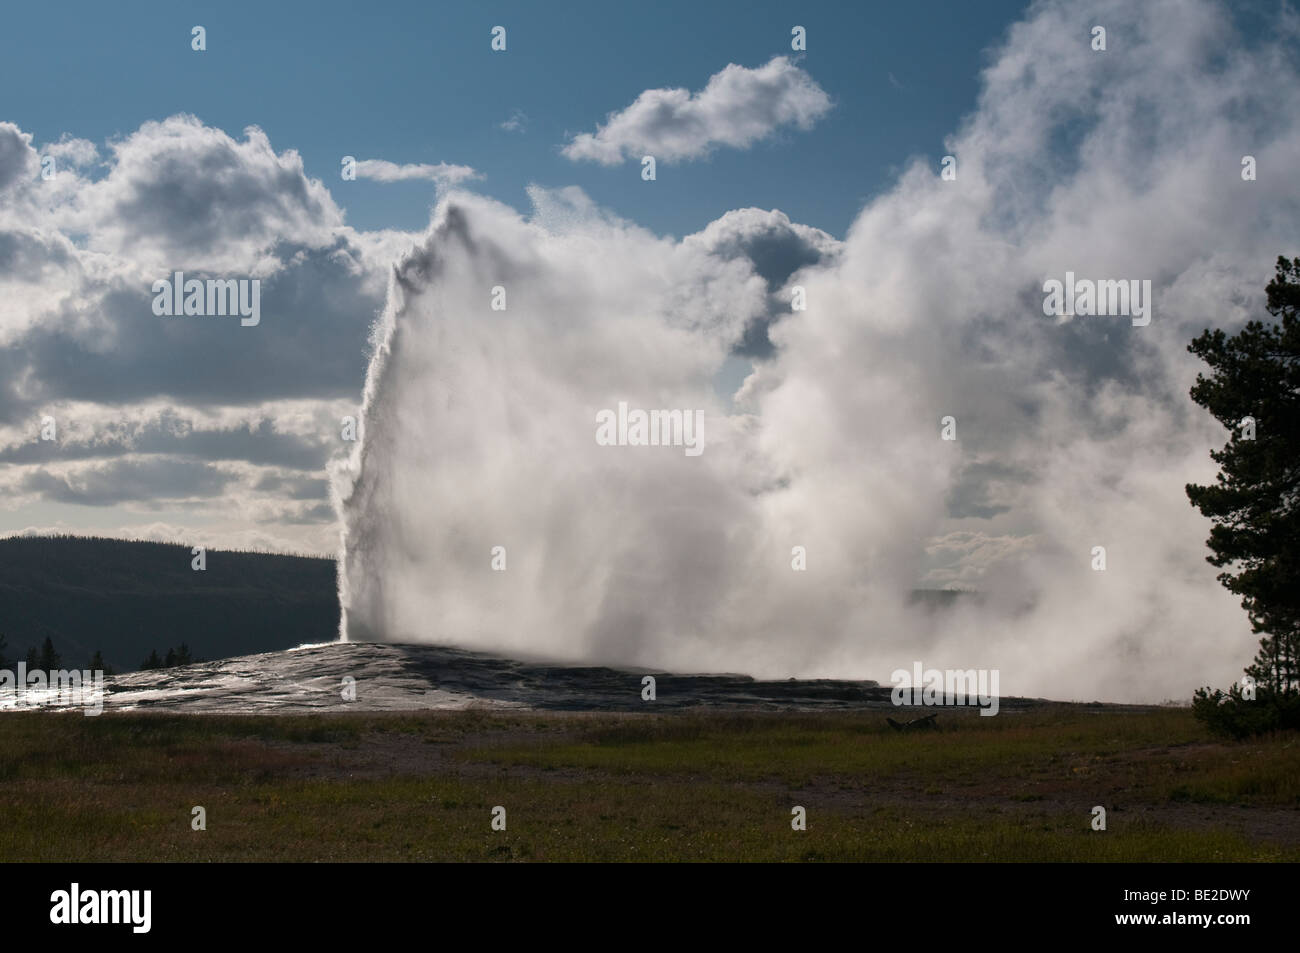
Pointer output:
1072, 433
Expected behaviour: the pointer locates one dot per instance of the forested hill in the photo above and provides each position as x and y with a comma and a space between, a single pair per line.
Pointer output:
128, 599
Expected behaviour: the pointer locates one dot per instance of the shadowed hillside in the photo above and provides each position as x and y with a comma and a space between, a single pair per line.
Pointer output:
128, 598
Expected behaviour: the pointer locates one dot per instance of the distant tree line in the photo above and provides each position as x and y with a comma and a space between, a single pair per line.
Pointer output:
47, 658
173, 658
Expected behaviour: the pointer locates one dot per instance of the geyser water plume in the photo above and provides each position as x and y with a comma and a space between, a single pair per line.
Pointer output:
1072, 433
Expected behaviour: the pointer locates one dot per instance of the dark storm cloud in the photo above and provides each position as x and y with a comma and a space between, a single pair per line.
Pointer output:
311, 342
295, 488
152, 480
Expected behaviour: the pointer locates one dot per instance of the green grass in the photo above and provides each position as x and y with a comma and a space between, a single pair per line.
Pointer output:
706, 787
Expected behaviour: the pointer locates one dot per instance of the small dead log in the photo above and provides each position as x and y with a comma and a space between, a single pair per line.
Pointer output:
928, 721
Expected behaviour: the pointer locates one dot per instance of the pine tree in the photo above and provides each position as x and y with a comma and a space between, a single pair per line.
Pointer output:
1255, 501
97, 664
50, 660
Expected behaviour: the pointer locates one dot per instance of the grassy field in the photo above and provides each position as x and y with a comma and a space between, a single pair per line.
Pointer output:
708, 786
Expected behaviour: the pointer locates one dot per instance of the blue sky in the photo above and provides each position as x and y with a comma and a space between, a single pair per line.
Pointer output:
414, 82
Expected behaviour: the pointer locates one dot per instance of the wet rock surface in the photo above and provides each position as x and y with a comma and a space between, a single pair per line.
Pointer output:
390, 677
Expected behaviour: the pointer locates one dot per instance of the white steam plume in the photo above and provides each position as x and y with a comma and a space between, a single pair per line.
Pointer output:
479, 424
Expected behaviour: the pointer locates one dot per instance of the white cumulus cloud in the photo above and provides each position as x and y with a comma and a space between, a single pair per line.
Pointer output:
444, 174
738, 107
